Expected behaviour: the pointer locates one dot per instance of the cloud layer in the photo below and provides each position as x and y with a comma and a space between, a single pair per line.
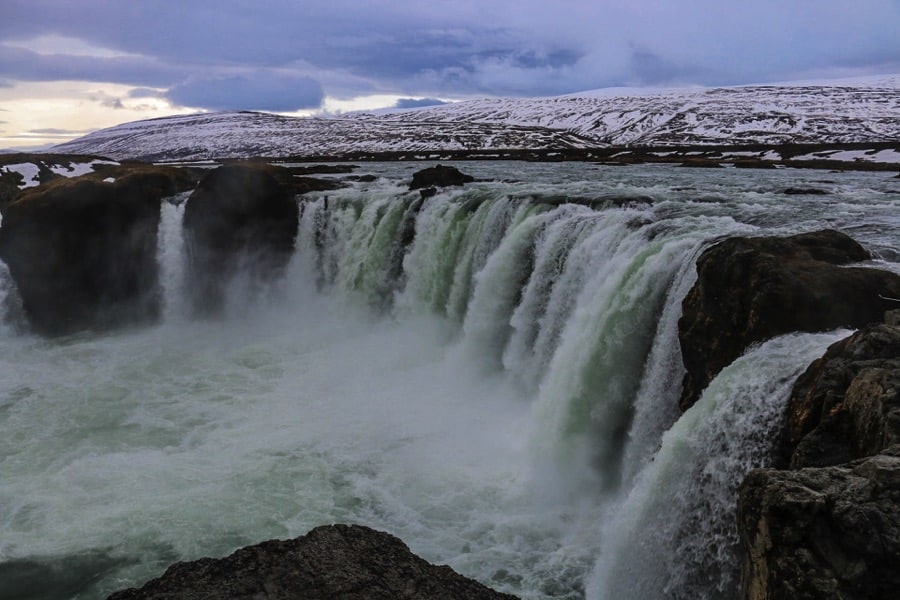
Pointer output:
284, 55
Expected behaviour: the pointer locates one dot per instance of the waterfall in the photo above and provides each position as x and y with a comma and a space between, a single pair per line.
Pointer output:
673, 534
491, 373
576, 304
170, 256
579, 306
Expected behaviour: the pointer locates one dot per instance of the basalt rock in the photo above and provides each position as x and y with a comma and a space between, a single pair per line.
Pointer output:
847, 403
830, 526
332, 562
822, 533
83, 252
751, 289
241, 219
439, 176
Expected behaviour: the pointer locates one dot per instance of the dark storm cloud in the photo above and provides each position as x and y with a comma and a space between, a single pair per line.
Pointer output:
25, 65
437, 48
255, 91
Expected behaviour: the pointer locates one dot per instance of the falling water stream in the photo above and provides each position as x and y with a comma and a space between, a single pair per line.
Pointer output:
491, 374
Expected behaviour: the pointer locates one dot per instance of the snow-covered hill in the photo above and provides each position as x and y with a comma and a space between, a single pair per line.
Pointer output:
246, 134
859, 111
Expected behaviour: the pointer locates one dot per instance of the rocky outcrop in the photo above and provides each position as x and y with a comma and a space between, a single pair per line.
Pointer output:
846, 405
439, 176
751, 289
830, 526
242, 218
337, 561
83, 252
10, 181
817, 533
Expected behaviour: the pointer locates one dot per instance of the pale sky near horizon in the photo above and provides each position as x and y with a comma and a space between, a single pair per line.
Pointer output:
68, 67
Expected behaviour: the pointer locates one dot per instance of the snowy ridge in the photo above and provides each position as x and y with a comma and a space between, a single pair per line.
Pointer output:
247, 134
739, 115
857, 111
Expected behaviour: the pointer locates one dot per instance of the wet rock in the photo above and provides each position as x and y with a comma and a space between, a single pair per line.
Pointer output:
830, 526
337, 561
702, 163
83, 252
805, 192
241, 219
845, 405
439, 176
753, 163
831, 532
751, 289
369, 178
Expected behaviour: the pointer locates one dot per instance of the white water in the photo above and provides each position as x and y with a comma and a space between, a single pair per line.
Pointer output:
501, 394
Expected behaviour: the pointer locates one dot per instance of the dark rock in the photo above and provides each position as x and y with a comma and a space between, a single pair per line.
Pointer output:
754, 163
362, 178
427, 192
805, 192
242, 218
439, 176
751, 289
703, 163
846, 406
9, 187
831, 532
83, 253
46, 174
333, 562
330, 169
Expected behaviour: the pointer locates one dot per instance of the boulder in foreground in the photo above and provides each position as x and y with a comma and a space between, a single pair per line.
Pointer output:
346, 562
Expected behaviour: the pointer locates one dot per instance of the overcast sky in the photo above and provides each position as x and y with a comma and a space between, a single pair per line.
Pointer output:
69, 66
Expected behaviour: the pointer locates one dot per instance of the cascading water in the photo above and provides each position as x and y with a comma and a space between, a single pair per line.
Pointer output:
491, 374
12, 318
673, 534
171, 256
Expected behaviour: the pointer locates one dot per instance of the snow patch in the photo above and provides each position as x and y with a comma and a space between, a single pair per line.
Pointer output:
29, 171
888, 156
